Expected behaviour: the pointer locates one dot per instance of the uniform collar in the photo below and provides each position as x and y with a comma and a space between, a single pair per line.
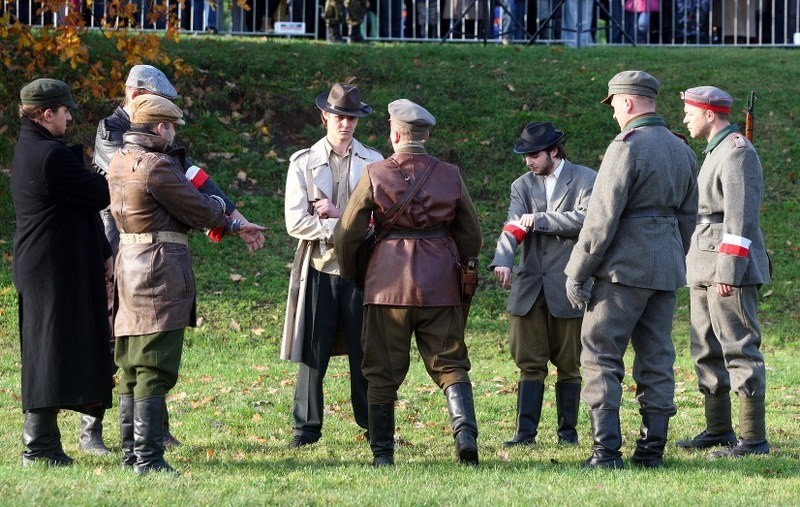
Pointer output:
646, 120
411, 147
719, 136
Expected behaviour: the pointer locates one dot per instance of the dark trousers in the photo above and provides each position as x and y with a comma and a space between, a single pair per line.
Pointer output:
331, 303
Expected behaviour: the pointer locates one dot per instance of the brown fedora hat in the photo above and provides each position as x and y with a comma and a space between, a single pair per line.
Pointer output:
537, 136
344, 100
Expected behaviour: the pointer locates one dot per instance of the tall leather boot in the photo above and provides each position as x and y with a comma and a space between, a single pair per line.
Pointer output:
42, 439
126, 430
752, 430
649, 451
607, 436
568, 399
462, 417
529, 409
170, 442
719, 429
91, 436
148, 436
381, 434
333, 33
355, 35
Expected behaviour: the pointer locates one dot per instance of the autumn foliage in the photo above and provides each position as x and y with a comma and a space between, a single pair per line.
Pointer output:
29, 51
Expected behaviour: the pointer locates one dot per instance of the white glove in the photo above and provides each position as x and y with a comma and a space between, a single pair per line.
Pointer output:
577, 294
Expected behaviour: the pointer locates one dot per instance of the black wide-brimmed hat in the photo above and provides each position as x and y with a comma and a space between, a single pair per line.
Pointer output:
537, 136
344, 100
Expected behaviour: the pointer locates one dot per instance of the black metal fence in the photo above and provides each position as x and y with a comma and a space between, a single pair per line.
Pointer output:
570, 22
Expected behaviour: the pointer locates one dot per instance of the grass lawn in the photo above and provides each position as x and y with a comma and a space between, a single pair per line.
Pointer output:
249, 105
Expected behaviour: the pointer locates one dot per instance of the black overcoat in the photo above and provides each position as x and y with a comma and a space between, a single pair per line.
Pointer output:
59, 253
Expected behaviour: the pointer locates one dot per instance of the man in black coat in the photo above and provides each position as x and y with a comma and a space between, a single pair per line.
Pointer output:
60, 261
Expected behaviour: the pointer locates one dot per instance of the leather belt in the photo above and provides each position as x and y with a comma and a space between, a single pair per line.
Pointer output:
648, 212
397, 233
154, 237
711, 218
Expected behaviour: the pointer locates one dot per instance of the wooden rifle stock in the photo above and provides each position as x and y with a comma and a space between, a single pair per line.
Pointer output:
750, 119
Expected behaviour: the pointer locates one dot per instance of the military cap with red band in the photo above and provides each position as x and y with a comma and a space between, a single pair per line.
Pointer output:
708, 97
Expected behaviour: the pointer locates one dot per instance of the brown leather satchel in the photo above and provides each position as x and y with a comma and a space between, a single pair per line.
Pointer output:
382, 228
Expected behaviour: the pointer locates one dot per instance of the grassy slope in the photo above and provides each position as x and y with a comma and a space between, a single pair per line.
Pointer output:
250, 105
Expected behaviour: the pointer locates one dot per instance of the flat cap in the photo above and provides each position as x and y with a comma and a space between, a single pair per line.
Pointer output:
46, 92
155, 109
151, 79
411, 115
708, 97
632, 82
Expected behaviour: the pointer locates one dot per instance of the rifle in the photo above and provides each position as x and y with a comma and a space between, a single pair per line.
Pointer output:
750, 118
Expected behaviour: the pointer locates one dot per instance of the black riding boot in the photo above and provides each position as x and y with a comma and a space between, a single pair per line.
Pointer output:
529, 409
42, 439
381, 434
91, 437
719, 429
462, 417
649, 451
126, 430
148, 435
169, 439
568, 399
607, 437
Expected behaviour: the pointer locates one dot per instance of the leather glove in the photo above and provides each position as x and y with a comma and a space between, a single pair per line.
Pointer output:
577, 294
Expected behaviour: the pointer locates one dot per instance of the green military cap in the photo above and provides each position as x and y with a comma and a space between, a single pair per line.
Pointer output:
412, 116
150, 108
46, 92
632, 82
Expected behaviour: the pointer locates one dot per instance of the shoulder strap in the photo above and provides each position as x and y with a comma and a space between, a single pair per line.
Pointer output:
397, 209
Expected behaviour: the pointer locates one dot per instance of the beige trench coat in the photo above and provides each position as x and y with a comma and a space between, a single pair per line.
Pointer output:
309, 175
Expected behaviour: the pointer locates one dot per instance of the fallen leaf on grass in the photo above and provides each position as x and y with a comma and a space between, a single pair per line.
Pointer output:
503, 455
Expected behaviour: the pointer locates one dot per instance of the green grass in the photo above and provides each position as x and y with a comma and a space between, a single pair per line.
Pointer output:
249, 105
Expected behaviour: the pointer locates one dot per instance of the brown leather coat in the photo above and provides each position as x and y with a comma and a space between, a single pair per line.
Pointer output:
411, 271
149, 192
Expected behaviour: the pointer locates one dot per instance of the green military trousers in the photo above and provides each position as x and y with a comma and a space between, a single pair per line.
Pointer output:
148, 363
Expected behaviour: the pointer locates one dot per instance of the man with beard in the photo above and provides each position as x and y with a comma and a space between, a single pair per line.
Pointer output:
548, 206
